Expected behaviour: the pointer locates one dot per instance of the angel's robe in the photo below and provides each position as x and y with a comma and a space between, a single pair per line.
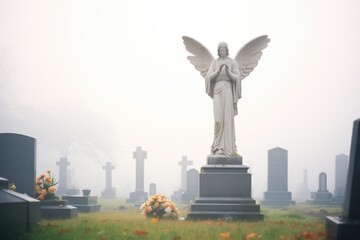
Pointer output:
225, 94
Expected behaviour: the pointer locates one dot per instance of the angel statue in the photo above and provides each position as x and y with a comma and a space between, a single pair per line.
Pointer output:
223, 77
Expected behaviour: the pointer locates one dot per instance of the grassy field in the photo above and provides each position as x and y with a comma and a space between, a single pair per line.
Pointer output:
295, 222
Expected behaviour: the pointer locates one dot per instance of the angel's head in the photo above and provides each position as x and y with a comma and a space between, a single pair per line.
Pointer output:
223, 49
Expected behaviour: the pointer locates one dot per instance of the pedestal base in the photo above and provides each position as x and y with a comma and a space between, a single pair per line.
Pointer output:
109, 193
321, 198
57, 209
137, 197
225, 193
83, 203
277, 198
342, 229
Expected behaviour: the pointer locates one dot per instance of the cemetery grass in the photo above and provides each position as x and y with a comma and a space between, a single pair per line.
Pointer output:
294, 222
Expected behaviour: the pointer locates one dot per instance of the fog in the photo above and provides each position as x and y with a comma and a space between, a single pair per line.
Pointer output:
92, 80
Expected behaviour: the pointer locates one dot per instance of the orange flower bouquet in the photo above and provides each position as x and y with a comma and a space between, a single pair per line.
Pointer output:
45, 186
159, 207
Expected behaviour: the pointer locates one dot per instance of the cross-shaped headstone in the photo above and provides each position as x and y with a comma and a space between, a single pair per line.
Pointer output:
184, 163
139, 155
63, 163
108, 178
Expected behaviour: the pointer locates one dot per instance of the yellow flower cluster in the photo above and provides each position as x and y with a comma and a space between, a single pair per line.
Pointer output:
45, 186
158, 207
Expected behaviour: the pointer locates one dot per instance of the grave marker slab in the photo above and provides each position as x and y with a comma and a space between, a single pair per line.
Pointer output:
84, 203
348, 225
192, 186
62, 186
18, 161
341, 170
277, 193
152, 189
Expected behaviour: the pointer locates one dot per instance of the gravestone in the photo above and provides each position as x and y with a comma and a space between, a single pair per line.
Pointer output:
322, 196
277, 193
62, 186
224, 191
18, 212
348, 225
303, 191
109, 191
184, 163
18, 161
177, 195
85, 203
139, 196
341, 169
70, 188
152, 189
192, 186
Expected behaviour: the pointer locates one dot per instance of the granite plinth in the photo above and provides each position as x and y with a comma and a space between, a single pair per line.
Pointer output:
321, 198
109, 193
277, 198
224, 160
338, 228
137, 197
57, 209
225, 192
83, 203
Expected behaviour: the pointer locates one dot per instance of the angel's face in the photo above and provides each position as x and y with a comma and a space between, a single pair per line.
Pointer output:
223, 52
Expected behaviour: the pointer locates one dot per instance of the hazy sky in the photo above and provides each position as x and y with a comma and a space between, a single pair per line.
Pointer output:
113, 75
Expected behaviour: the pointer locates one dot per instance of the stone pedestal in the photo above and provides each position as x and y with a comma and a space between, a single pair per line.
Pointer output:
109, 193
57, 209
225, 191
83, 203
137, 197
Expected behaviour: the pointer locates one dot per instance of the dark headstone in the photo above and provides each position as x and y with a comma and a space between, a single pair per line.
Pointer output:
109, 191
341, 170
18, 161
277, 193
139, 196
192, 186
18, 212
62, 187
348, 225
322, 196
225, 192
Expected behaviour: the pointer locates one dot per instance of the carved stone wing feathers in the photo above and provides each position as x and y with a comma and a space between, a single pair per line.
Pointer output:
249, 55
201, 58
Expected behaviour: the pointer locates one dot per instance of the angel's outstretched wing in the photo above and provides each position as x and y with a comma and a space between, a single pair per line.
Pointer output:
249, 55
202, 57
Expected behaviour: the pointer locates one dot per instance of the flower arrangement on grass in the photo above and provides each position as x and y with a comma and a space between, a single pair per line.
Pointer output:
159, 207
45, 186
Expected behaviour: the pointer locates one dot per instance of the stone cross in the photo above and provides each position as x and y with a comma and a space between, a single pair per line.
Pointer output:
184, 163
108, 176
63, 163
139, 155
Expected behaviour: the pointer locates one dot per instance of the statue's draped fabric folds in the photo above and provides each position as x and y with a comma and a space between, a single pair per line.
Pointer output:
223, 84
